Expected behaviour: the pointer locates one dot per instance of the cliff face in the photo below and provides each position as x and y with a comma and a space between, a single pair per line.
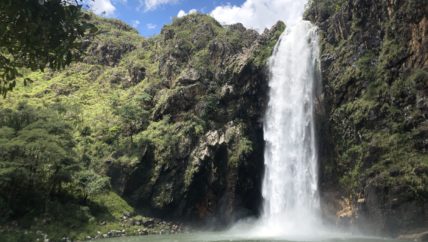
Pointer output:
374, 131
175, 121
202, 150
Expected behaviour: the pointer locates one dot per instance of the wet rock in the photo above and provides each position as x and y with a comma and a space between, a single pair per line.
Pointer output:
419, 237
149, 223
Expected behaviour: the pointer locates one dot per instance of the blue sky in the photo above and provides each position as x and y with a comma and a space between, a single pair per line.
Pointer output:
148, 16
149, 21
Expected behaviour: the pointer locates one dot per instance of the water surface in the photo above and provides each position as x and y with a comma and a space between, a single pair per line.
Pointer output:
219, 237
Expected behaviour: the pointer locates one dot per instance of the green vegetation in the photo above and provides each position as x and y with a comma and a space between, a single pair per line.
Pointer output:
37, 161
68, 219
129, 104
41, 174
262, 54
36, 34
323, 9
53, 146
375, 98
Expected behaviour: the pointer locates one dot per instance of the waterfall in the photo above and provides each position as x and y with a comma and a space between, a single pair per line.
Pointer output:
290, 189
291, 208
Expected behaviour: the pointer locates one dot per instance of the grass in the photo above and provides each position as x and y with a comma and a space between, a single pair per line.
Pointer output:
98, 97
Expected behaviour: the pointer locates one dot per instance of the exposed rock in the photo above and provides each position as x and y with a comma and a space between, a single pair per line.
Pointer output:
178, 100
149, 223
108, 54
137, 74
190, 76
374, 54
209, 162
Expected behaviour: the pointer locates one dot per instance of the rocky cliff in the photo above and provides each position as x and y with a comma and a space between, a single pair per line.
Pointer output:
201, 152
373, 132
174, 121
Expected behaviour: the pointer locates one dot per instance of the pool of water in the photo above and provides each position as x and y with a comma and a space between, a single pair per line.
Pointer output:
219, 237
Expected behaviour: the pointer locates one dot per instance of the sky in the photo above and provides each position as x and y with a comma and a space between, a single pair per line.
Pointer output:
148, 16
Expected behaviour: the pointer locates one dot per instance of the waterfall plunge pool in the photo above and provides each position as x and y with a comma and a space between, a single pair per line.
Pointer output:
291, 209
223, 237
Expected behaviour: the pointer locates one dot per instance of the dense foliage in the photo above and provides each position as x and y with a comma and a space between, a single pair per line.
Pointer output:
36, 34
175, 120
134, 110
38, 162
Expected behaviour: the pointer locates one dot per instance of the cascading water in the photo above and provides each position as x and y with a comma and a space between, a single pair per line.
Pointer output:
291, 208
290, 187
290, 190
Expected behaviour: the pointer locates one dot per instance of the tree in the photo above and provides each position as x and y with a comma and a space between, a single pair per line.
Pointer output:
88, 183
36, 34
133, 115
37, 160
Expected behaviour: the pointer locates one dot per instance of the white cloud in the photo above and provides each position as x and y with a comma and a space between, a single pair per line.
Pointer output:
149, 5
151, 26
135, 23
260, 14
183, 13
102, 7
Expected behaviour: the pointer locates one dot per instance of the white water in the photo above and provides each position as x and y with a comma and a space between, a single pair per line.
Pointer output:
290, 189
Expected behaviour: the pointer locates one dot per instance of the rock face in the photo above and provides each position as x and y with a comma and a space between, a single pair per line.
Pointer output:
201, 155
175, 120
373, 131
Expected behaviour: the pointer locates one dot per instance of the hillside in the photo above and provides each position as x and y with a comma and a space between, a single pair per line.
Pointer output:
170, 126
150, 135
